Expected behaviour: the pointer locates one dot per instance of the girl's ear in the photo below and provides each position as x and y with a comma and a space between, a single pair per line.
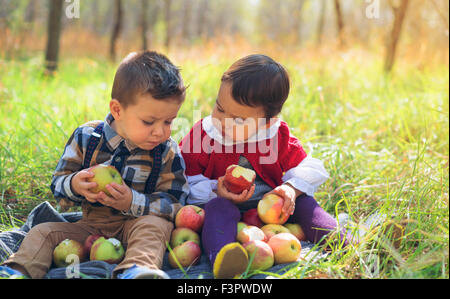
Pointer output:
116, 109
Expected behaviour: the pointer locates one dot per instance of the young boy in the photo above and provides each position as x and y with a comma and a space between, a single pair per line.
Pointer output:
135, 138
243, 129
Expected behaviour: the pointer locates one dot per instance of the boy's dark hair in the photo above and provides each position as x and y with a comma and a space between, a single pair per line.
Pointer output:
259, 81
147, 72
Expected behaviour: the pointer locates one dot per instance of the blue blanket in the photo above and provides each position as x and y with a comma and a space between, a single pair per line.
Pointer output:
10, 242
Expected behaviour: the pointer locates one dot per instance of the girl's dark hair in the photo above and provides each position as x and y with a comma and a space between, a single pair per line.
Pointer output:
259, 81
147, 72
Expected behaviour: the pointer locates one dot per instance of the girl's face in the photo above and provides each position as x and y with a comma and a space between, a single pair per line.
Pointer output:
235, 121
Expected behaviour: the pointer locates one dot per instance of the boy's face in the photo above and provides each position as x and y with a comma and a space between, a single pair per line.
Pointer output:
147, 122
235, 121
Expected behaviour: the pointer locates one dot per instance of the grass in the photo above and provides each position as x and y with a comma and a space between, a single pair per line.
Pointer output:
383, 138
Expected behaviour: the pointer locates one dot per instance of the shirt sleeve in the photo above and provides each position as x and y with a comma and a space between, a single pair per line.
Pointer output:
307, 176
201, 189
69, 164
171, 189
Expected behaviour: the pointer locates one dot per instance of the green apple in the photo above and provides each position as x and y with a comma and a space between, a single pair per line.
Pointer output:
64, 250
183, 234
107, 250
104, 175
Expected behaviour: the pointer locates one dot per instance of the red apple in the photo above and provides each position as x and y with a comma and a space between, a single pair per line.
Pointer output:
183, 234
238, 178
251, 218
88, 243
296, 230
271, 230
190, 216
104, 175
64, 250
250, 233
270, 209
187, 254
263, 258
286, 248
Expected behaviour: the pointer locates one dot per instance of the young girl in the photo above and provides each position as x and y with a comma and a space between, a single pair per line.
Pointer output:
243, 129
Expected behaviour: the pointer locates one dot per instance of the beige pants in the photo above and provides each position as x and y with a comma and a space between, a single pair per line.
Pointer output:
144, 239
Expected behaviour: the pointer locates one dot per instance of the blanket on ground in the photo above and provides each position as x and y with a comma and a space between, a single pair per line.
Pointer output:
10, 242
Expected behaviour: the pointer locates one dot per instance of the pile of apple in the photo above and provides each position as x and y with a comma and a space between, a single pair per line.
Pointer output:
261, 231
185, 238
95, 248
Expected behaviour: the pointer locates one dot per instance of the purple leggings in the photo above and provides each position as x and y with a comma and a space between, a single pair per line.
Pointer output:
222, 216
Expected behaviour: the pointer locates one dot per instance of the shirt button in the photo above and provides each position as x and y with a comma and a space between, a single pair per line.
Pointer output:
117, 159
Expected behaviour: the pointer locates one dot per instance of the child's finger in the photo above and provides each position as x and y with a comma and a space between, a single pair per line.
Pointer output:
113, 191
250, 193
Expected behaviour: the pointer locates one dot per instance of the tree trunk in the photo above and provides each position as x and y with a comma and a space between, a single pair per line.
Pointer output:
391, 49
202, 13
339, 22
144, 25
118, 13
321, 24
167, 15
53, 34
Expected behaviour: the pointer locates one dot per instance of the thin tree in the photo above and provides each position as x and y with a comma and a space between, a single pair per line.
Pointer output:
320, 26
167, 16
53, 35
144, 25
391, 49
339, 22
118, 15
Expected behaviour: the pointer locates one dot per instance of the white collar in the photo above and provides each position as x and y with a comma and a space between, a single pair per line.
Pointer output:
261, 135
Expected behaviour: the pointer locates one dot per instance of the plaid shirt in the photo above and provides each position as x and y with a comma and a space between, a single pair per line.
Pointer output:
171, 188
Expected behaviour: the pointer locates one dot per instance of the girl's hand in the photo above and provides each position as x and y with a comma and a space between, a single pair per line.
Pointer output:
236, 198
289, 194
120, 199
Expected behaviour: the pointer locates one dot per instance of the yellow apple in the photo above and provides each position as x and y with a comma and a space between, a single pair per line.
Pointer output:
104, 175
296, 230
271, 230
286, 248
270, 209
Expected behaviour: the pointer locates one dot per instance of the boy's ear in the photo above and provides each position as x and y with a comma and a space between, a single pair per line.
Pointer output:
116, 109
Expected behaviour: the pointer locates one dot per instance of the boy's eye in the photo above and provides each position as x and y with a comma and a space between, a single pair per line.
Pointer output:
147, 123
168, 122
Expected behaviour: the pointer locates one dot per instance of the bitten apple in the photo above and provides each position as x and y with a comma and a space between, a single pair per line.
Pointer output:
190, 216
271, 230
238, 178
263, 255
65, 249
187, 254
104, 175
286, 248
250, 233
270, 209
107, 250
251, 218
296, 230
183, 234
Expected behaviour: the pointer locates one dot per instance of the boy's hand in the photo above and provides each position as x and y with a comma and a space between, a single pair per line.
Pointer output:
81, 186
120, 199
289, 194
236, 198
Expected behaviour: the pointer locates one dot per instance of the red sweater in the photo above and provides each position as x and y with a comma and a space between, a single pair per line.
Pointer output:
203, 155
